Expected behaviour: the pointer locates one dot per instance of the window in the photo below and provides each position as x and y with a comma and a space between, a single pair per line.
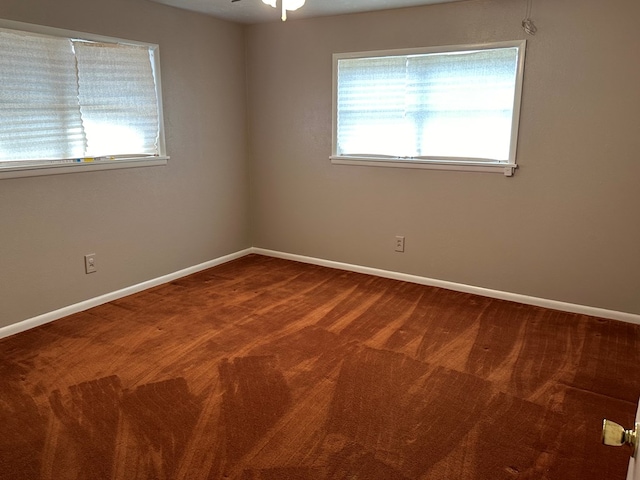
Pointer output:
447, 108
72, 101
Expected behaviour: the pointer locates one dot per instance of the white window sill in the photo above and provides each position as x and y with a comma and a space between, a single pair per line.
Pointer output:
466, 166
25, 169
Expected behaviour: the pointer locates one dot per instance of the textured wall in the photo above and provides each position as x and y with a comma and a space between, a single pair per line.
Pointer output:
565, 227
145, 222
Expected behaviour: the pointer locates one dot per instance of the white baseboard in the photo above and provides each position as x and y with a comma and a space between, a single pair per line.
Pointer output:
109, 297
460, 287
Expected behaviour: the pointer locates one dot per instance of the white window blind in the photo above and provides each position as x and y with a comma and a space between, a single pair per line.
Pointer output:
449, 106
117, 98
39, 114
66, 100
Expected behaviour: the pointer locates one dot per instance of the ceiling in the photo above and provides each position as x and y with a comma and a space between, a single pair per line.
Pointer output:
254, 11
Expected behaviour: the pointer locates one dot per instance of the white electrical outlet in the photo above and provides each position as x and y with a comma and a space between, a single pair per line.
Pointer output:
399, 243
90, 263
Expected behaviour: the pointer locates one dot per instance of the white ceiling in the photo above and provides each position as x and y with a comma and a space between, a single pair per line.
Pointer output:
254, 11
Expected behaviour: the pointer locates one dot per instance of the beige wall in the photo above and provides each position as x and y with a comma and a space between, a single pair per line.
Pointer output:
566, 227
146, 222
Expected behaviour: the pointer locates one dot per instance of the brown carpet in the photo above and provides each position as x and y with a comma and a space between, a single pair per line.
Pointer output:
270, 369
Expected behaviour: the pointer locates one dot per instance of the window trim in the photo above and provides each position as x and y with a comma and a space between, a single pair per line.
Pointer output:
26, 168
469, 165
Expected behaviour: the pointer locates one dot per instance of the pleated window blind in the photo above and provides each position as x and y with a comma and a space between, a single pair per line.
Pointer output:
39, 114
456, 105
117, 98
67, 100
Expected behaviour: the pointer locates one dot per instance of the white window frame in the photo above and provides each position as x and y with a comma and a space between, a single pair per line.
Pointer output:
52, 167
504, 167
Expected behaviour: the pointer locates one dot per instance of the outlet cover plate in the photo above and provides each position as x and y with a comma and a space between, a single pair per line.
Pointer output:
90, 263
